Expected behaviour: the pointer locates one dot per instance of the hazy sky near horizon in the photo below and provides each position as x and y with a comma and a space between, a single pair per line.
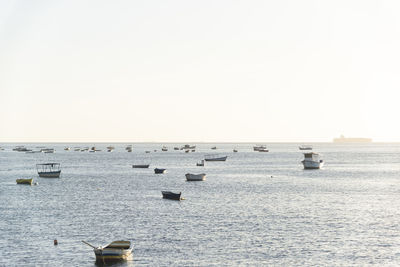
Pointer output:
199, 70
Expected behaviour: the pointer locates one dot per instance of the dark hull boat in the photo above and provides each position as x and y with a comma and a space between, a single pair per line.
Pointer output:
159, 171
216, 158
170, 195
144, 166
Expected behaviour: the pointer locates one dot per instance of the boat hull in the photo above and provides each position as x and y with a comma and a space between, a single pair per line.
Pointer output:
217, 159
112, 254
25, 181
140, 166
195, 177
159, 171
54, 174
170, 195
312, 165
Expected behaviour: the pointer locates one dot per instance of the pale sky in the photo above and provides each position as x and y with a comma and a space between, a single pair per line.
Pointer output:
169, 71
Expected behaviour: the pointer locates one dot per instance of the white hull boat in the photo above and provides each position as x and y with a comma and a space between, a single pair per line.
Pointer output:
312, 161
115, 251
195, 177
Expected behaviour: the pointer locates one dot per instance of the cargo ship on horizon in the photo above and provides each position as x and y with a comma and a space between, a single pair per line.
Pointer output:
343, 139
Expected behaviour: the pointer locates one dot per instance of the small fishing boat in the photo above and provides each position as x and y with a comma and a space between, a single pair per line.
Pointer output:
214, 148
235, 150
159, 171
147, 151
263, 150
48, 170
143, 166
305, 147
67, 148
259, 147
170, 195
47, 150
312, 161
201, 163
195, 177
21, 149
115, 251
164, 148
188, 147
110, 148
25, 181
176, 148
215, 158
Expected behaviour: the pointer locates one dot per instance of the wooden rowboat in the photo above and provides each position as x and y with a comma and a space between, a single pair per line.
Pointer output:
195, 177
170, 195
143, 166
115, 251
25, 181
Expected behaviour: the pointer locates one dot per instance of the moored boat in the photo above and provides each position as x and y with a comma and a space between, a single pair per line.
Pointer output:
259, 147
159, 171
305, 147
143, 166
188, 147
215, 158
171, 195
48, 170
263, 150
201, 163
115, 251
312, 161
195, 177
25, 181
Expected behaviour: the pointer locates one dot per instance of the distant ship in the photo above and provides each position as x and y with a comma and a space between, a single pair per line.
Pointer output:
343, 139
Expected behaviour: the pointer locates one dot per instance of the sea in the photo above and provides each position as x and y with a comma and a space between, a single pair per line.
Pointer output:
254, 209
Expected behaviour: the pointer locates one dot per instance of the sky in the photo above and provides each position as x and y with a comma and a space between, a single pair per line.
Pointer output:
199, 71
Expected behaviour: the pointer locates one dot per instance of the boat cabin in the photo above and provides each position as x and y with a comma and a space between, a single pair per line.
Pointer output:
311, 156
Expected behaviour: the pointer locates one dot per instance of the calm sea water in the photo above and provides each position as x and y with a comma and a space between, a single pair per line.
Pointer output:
342, 215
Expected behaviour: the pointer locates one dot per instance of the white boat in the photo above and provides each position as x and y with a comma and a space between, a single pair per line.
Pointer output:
312, 161
188, 147
195, 177
47, 150
164, 148
67, 148
259, 147
215, 158
48, 170
115, 251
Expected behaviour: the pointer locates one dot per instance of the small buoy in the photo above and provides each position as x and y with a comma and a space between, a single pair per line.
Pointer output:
55, 242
